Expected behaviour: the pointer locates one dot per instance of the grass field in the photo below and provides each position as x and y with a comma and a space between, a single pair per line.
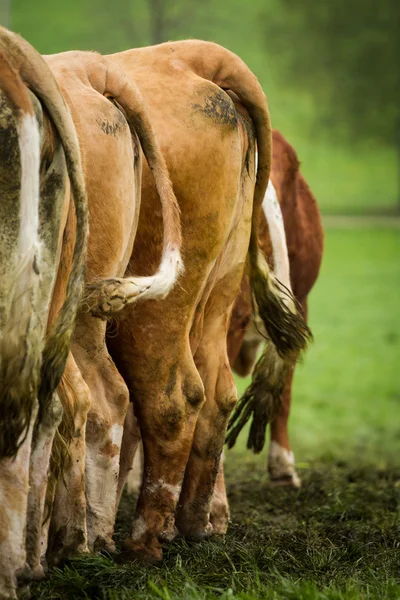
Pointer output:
338, 538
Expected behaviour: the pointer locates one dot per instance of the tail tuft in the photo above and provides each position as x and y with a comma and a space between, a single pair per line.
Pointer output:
106, 297
280, 312
261, 400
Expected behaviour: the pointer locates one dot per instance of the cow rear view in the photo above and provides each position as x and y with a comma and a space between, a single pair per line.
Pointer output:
33, 203
291, 238
173, 355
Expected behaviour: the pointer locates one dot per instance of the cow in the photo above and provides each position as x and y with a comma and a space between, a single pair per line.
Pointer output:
295, 254
173, 355
291, 237
112, 125
37, 180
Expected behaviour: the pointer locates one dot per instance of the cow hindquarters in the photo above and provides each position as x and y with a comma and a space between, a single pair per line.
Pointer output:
21, 327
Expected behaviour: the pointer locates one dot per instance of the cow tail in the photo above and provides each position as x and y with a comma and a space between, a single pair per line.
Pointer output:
37, 75
20, 337
262, 399
273, 301
108, 296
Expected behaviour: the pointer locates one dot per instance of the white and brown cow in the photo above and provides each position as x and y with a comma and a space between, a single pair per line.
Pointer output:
36, 176
291, 238
173, 355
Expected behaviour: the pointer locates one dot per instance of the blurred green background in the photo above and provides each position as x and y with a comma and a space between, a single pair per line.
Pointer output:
328, 68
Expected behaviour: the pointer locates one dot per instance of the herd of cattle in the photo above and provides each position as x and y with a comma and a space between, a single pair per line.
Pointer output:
130, 287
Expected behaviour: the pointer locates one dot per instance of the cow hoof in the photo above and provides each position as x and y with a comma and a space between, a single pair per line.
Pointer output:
195, 532
102, 544
290, 481
58, 558
65, 543
220, 525
282, 471
135, 551
38, 573
169, 533
24, 575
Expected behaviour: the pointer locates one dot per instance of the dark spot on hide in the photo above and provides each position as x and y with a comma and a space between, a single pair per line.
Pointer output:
193, 393
112, 127
219, 108
171, 421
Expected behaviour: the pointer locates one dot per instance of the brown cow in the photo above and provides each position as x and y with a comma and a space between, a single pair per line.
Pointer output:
173, 355
296, 253
303, 254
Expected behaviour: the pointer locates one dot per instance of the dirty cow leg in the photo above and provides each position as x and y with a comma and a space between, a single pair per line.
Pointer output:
104, 428
68, 535
211, 358
281, 464
167, 405
130, 452
39, 468
220, 513
14, 486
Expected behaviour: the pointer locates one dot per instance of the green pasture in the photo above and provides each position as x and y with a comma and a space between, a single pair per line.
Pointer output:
338, 538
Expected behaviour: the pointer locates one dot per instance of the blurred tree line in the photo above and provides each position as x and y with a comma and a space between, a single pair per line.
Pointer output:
347, 52
329, 66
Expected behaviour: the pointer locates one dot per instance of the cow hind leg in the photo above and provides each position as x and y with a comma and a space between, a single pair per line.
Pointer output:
211, 358
66, 498
130, 467
167, 397
14, 485
104, 429
281, 464
39, 466
220, 513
